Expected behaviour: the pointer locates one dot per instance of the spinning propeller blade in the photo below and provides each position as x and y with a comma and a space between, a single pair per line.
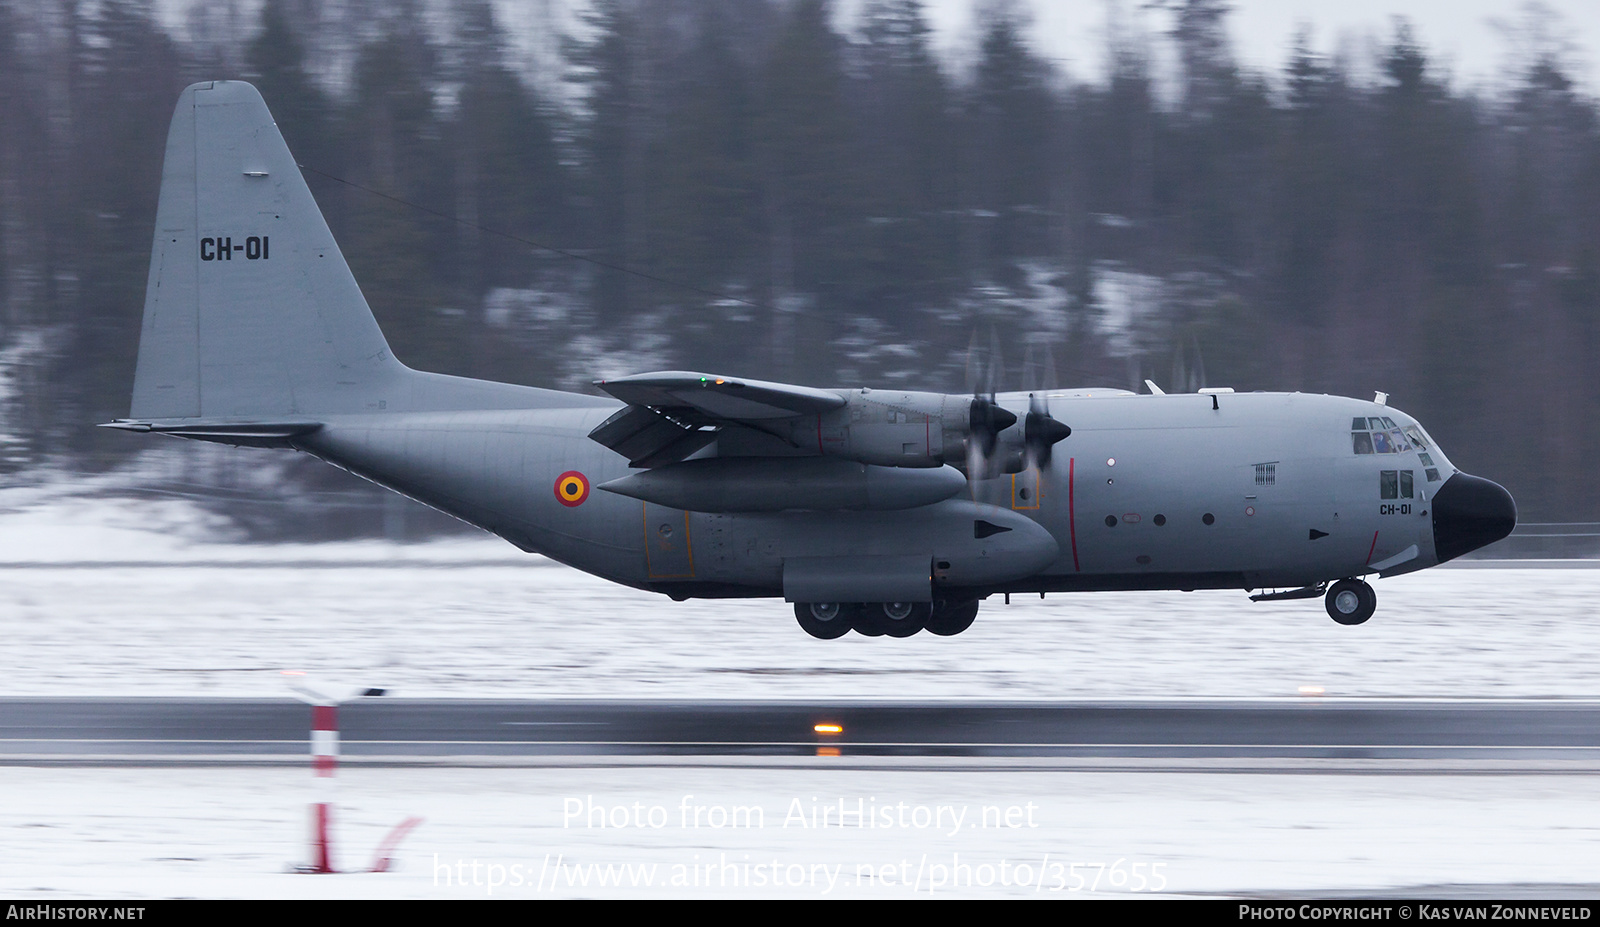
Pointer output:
1041, 432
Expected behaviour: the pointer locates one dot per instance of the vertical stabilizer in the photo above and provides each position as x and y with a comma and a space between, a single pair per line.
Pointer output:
250, 312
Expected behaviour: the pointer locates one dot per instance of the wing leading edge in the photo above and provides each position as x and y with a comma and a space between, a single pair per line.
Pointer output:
672, 414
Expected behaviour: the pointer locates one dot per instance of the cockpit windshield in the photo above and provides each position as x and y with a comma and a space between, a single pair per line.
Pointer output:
1383, 435
1380, 436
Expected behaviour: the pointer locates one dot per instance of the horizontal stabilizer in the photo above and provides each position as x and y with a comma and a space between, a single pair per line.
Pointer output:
238, 434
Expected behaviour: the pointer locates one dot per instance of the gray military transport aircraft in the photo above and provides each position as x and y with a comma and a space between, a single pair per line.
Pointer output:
886, 512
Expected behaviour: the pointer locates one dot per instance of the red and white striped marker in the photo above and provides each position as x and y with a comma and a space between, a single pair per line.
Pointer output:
325, 739
324, 763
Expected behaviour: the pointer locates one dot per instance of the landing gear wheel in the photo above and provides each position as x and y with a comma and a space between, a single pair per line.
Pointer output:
868, 620
951, 618
826, 620
1351, 601
903, 619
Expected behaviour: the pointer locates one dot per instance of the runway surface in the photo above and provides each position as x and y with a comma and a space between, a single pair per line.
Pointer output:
178, 731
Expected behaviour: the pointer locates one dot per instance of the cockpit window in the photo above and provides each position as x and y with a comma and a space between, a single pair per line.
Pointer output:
1380, 435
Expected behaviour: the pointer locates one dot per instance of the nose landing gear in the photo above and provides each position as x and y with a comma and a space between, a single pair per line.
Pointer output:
1351, 601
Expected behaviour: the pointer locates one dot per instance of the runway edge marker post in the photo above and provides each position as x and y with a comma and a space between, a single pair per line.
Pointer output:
324, 764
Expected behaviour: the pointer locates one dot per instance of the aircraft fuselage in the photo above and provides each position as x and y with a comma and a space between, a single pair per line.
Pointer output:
1265, 490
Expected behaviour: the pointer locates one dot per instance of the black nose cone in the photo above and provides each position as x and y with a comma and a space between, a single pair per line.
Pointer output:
1468, 513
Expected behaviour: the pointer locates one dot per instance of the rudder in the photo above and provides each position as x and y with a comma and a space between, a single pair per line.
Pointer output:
251, 312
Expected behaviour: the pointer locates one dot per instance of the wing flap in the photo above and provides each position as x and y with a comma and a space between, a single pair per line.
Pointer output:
672, 414
649, 438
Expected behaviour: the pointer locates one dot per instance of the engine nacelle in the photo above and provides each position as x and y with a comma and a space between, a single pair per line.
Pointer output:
894, 428
777, 484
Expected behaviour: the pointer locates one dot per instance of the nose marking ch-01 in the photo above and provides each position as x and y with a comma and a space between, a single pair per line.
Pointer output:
223, 248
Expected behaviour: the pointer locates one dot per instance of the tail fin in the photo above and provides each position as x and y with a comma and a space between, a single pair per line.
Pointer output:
250, 313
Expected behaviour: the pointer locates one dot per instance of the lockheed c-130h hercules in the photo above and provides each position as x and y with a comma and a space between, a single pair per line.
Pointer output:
879, 511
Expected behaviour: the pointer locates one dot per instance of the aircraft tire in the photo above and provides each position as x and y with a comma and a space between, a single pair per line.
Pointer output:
1351, 601
868, 619
951, 618
825, 620
903, 619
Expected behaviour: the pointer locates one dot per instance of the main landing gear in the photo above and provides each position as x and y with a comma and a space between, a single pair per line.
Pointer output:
830, 620
1351, 601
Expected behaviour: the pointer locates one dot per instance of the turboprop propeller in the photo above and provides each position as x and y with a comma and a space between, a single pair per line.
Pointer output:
1040, 432
989, 455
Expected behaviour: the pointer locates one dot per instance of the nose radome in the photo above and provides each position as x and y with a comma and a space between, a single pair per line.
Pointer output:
1470, 512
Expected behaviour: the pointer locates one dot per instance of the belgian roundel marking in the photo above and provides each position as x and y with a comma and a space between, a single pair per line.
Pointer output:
572, 488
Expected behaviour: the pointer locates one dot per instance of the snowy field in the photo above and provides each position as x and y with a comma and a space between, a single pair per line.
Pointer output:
101, 598
539, 630
525, 833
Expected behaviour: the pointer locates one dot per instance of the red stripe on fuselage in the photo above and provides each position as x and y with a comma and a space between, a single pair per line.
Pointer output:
1072, 510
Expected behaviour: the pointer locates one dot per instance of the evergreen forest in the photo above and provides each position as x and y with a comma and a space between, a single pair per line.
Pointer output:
556, 191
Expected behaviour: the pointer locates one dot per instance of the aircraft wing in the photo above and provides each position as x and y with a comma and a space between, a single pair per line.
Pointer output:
674, 413
721, 397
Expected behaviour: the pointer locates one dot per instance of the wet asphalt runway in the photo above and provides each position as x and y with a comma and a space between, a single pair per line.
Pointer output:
180, 731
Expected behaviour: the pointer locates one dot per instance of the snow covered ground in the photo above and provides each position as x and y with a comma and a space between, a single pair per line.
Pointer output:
436, 627
941, 832
102, 598
114, 597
